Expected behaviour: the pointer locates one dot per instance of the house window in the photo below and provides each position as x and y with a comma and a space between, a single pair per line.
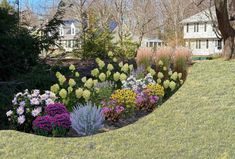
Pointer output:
199, 45
207, 43
187, 27
73, 31
147, 44
205, 27
219, 44
151, 44
196, 44
197, 27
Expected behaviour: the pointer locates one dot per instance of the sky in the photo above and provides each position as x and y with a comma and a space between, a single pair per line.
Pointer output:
35, 5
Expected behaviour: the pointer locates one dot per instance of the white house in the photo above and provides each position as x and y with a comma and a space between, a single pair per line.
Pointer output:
69, 32
152, 42
199, 34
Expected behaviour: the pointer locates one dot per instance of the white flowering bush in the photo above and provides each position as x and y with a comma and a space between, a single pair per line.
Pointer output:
27, 106
138, 85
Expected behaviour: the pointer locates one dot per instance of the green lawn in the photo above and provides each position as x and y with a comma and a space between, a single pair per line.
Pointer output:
197, 122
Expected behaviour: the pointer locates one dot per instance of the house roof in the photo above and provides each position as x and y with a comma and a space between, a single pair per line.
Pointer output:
203, 16
70, 21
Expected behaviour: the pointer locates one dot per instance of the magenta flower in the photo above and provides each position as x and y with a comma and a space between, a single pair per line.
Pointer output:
62, 120
56, 108
43, 123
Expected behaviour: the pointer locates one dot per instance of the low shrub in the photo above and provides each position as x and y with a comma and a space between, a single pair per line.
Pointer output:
125, 98
87, 119
56, 121
112, 111
26, 107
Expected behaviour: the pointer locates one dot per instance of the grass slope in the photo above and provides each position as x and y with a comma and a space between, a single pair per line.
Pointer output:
197, 122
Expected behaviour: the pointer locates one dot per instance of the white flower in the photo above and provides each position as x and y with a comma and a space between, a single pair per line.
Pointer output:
36, 92
18, 94
22, 103
36, 111
21, 119
34, 101
52, 95
14, 101
44, 96
20, 110
49, 101
9, 113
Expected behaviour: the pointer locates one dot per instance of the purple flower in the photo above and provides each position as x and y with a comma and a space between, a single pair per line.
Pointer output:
153, 99
62, 120
43, 123
106, 110
56, 108
139, 99
119, 109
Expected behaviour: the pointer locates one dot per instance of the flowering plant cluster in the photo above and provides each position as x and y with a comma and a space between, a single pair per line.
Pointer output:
138, 85
76, 89
126, 98
27, 106
167, 78
112, 111
56, 121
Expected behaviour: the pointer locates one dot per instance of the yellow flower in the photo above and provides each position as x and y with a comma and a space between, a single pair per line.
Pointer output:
70, 90
72, 67
159, 81
102, 77
86, 94
101, 64
170, 73
124, 97
55, 88
58, 74
72, 82
180, 75
108, 73
156, 89
166, 84
172, 85
160, 75
88, 83
181, 81
77, 74
110, 54
79, 92
63, 93
160, 63
116, 76
164, 68
97, 60
125, 68
110, 67
123, 77
114, 59
95, 72
62, 79
152, 71
84, 79
174, 76
120, 64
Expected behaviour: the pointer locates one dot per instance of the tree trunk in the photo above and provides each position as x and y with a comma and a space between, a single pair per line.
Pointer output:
229, 47
227, 31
